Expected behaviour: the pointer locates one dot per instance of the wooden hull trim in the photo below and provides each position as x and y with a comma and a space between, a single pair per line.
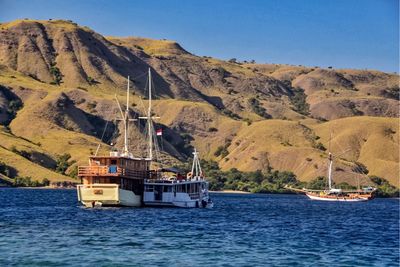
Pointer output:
98, 195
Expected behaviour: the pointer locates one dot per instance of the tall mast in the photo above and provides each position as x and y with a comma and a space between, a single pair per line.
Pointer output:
196, 168
149, 121
126, 118
330, 163
330, 171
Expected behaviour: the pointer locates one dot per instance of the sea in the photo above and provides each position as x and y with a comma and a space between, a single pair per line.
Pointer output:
48, 227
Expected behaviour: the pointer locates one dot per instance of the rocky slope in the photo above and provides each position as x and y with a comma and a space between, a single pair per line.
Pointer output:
58, 82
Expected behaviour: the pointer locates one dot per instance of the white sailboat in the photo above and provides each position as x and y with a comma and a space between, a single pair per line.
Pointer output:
336, 194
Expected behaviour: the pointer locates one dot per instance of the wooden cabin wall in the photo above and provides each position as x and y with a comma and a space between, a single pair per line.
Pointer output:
138, 165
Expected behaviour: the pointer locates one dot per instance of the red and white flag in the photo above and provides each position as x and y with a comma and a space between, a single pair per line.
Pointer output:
159, 132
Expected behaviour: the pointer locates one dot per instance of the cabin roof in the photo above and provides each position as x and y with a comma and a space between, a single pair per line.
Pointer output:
119, 157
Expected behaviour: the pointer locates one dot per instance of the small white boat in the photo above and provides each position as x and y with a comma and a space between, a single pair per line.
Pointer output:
178, 191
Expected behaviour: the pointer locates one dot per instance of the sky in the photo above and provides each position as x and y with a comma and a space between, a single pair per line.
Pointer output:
362, 34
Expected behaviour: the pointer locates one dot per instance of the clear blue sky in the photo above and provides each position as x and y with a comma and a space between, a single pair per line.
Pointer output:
339, 33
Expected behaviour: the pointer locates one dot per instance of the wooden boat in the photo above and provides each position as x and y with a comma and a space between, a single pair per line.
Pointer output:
120, 179
116, 179
340, 195
336, 194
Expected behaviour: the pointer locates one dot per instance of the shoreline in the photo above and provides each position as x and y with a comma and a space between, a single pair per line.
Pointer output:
214, 192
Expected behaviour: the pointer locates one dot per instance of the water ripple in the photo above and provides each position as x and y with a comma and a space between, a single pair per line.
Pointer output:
49, 228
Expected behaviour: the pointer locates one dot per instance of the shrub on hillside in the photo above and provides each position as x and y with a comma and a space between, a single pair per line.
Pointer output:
28, 182
298, 100
384, 188
318, 183
258, 109
57, 76
319, 146
63, 163
360, 168
5, 169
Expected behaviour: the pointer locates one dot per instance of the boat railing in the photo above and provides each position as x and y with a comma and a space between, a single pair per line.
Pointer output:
97, 185
110, 170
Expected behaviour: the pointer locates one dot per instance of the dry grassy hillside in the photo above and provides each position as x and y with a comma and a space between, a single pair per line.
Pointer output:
58, 81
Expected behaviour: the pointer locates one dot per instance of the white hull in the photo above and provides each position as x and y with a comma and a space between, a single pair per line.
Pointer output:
107, 195
180, 200
183, 204
336, 199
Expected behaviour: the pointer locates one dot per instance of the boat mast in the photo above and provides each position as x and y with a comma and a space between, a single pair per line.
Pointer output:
126, 152
330, 171
196, 168
150, 126
125, 119
330, 164
149, 122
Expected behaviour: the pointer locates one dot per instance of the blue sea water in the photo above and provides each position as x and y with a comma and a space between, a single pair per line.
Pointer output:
50, 228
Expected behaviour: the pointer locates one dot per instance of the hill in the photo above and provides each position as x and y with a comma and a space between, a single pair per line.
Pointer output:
57, 87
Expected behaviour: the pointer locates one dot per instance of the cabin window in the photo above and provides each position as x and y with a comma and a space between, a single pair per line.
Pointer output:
113, 162
192, 188
96, 180
167, 188
149, 188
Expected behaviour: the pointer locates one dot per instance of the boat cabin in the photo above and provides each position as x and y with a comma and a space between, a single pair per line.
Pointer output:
128, 173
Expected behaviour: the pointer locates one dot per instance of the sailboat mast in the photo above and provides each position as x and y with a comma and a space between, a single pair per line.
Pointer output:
330, 162
126, 120
330, 171
194, 165
150, 132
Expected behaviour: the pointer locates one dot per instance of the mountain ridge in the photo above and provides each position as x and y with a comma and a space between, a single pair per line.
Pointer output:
71, 73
